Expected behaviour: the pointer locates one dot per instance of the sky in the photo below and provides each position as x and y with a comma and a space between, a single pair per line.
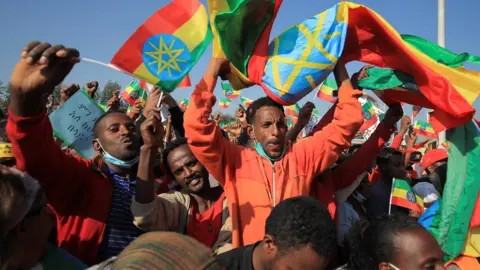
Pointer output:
99, 28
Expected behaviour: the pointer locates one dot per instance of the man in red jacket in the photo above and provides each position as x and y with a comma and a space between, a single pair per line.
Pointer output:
91, 198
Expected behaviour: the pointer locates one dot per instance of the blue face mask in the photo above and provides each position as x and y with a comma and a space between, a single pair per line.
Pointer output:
118, 162
261, 151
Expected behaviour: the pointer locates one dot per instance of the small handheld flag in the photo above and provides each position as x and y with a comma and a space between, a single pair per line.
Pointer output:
325, 92
167, 45
415, 110
134, 91
403, 195
224, 103
229, 92
425, 129
369, 115
292, 110
183, 104
246, 102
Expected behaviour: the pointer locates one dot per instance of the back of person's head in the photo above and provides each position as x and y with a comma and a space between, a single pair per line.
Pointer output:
391, 164
385, 155
377, 242
438, 177
164, 250
21, 202
299, 222
258, 104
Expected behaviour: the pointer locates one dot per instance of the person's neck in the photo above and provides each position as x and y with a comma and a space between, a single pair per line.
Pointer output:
387, 180
257, 255
120, 171
207, 199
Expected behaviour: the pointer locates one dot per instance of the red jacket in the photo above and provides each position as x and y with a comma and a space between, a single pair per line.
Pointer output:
75, 187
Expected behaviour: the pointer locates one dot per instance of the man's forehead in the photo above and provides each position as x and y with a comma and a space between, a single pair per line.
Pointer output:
115, 118
269, 111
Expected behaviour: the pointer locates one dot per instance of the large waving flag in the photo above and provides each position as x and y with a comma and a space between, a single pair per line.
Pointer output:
302, 57
325, 91
242, 31
167, 45
455, 230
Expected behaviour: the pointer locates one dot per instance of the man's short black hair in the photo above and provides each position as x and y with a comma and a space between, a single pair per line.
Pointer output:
97, 122
371, 243
386, 154
297, 222
172, 145
259, 103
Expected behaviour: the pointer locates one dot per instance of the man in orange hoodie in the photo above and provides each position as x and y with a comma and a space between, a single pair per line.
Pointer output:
255, 180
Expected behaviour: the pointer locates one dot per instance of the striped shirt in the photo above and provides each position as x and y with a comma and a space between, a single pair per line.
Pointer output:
120, 231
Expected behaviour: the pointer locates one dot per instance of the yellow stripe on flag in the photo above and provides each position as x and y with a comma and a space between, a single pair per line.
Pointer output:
214, 7
467, 84
143, 73
199, 23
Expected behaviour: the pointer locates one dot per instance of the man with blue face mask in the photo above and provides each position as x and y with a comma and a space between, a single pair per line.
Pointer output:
256, 180
91, 198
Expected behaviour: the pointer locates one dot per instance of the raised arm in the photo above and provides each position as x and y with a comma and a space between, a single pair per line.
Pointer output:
324, 147
347, 172
204, 136
40, 69
151, 212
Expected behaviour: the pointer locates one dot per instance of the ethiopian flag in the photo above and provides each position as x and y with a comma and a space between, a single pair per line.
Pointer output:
404, 196
369, 116
241, 33
246, 101
183, 104
292, 110
224, 103
165, 47
425, 129
229, 92
457, 218
296, 66
325, 92
135, 91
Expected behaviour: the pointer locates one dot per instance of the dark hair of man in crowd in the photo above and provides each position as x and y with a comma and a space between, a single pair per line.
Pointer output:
385, 155
11, 192
302, 221
369, 244
172, 145
259, 103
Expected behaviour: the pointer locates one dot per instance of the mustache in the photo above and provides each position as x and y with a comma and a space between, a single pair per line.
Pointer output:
192, 177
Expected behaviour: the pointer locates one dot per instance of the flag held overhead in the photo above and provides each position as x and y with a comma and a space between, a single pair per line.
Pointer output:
165, 47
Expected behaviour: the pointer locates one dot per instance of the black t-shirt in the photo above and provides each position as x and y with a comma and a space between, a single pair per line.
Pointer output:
238, 259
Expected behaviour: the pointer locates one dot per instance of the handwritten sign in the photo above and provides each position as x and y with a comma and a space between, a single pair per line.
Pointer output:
73, 122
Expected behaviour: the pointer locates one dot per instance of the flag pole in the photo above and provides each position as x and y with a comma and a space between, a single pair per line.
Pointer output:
441, 42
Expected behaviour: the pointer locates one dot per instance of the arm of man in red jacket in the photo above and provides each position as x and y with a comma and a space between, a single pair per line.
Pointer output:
347, 172
33, 79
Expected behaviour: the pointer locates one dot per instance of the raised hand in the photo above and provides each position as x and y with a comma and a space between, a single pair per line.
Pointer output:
169, 100
305, 113
405, 123
67, 92
152, 129
362, 73
91, 88
152, 101
217, 118
114, 102
135, 110
34, 77
393, 114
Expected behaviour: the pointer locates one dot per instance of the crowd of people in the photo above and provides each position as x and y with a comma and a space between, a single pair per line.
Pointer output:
194, 196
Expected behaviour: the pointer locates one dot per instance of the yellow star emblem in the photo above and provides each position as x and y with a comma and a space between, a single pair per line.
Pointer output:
173, 57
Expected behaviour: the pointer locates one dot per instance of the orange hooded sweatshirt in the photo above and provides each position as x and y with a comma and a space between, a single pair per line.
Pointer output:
252, 184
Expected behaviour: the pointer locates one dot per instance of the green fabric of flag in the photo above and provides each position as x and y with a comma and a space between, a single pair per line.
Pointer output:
451, 224
440, 54
385, 78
